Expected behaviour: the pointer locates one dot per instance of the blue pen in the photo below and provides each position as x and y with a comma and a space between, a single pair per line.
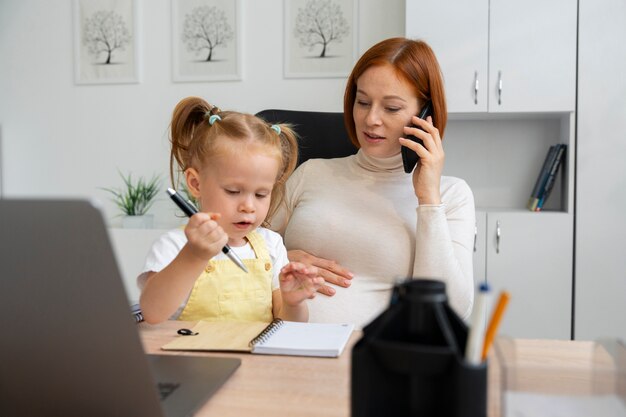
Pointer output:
190, 210
476, 336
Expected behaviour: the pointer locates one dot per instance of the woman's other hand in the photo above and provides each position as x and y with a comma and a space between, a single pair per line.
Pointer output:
331, 271
427, 173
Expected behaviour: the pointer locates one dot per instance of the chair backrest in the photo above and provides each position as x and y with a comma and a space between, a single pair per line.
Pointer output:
320, 134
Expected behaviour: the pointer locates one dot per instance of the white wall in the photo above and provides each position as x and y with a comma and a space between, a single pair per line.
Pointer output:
63, 139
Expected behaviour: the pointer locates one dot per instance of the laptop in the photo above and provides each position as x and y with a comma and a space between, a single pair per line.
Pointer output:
69, 344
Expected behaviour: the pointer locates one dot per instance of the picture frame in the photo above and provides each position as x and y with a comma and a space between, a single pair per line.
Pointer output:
308, 52
206, 55
106, 41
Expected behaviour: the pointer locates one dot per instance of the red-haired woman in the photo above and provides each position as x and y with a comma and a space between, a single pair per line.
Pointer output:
362, 220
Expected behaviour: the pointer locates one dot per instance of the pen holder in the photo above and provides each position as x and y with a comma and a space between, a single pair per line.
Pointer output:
410, 360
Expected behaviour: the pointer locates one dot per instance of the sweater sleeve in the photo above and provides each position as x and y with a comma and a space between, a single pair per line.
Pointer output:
443, 249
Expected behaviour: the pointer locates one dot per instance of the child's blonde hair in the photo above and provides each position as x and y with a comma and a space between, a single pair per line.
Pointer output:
200, 131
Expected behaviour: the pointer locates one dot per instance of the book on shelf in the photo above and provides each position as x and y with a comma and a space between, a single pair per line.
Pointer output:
549, 183
542, 178
276, 338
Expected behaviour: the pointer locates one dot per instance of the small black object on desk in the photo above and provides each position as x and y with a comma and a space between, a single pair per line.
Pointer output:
410, 360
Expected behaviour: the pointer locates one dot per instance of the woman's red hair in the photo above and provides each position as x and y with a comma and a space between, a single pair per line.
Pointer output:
415, 62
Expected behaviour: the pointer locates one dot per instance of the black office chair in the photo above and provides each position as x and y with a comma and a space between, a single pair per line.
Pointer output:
320, 134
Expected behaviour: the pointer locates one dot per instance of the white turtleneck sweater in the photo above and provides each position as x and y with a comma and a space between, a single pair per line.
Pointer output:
362, 212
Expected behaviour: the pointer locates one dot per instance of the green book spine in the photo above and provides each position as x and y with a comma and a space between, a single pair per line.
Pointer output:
549, 184
533, 201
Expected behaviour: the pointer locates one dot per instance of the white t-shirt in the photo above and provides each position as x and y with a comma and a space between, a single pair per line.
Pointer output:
167, 247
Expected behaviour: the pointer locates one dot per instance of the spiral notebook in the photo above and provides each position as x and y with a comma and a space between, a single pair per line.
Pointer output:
276, 338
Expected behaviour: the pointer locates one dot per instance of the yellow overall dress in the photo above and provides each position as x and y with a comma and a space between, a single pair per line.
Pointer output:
225, 292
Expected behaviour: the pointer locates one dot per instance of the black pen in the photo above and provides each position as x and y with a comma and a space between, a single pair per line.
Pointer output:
190, 210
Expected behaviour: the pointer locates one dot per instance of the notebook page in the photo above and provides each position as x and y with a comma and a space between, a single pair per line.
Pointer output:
306, 339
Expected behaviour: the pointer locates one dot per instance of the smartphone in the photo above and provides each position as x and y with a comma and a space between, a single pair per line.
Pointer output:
409, 157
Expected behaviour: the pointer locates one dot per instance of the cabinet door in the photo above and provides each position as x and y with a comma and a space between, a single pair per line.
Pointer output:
480, 254
458, 33
532, 259
601, 172
532, 55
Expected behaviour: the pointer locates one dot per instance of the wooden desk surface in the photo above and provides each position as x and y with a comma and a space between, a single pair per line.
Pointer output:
302, 386
270, 385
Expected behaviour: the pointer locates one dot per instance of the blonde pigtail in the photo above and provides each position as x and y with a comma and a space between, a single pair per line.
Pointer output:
188, 121
289, 150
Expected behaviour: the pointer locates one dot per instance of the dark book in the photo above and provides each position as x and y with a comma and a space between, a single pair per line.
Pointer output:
533, 201
554, 169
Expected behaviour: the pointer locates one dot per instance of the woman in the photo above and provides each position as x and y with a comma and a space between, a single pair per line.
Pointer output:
362, 220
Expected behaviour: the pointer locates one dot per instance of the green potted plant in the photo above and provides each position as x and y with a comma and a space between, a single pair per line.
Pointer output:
135, 199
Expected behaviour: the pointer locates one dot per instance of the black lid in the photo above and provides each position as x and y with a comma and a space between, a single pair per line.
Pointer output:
423, 290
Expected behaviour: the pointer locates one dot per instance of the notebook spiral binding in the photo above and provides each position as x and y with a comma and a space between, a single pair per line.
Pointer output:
136, 312
267, 332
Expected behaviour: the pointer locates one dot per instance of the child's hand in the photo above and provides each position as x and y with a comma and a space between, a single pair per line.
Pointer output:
205, 237
299, 282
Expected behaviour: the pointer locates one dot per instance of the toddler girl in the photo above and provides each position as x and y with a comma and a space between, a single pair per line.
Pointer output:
235, 165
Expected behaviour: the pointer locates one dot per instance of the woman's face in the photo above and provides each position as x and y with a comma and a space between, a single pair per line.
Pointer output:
384, 104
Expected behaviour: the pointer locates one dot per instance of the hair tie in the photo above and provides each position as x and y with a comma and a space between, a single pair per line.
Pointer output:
213, 118
276, 128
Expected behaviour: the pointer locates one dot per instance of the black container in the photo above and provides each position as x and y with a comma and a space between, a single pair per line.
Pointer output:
410, 360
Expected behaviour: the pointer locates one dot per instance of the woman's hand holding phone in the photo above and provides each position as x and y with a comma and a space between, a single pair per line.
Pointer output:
427, 173
409, 157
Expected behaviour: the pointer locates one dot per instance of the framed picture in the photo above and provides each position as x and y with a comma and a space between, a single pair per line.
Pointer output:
320, 38
206, 40
106, 43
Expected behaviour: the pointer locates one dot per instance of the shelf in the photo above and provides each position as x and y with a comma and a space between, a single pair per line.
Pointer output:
500, 157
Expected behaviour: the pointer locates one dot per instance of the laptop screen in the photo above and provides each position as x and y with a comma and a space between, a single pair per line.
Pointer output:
70, 345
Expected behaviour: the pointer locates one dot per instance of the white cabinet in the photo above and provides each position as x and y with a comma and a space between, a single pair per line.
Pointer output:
458, 32
601, 173
501, 56
529, 255
500, 158
510, 76
131, 247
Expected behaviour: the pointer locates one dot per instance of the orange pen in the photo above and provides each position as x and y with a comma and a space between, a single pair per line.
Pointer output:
496, 317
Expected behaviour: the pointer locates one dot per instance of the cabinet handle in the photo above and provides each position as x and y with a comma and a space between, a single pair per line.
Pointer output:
499, 88
475, 87
475, 236
498, 234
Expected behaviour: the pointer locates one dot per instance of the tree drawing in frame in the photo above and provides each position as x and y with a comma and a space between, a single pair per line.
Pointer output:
104, 33
320, 23
206, 40
105, 43
206, 28
320, 38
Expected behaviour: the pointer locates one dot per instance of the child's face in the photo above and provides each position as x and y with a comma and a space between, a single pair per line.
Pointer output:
239, 187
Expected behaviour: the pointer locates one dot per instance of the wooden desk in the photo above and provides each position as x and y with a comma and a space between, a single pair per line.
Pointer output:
299, 386
270, 385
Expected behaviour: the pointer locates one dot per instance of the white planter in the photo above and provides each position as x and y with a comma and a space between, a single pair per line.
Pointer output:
138, 222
